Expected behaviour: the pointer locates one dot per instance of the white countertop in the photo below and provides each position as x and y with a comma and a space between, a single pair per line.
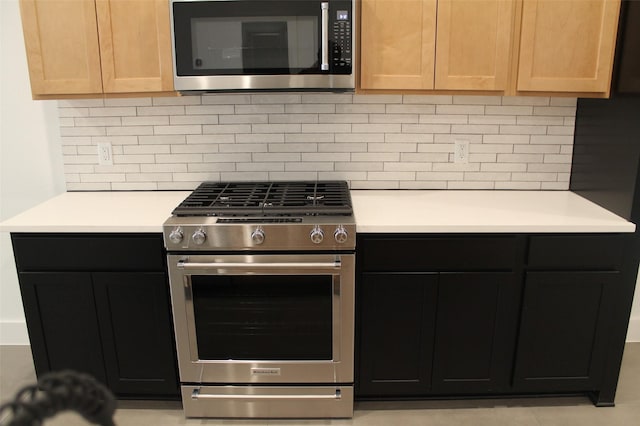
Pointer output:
375, 211
135, 211
482, 211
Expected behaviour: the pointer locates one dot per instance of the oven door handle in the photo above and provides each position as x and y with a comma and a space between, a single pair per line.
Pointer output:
288, 267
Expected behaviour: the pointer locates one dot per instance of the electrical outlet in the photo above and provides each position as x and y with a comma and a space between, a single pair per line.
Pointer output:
461, 151
105, 156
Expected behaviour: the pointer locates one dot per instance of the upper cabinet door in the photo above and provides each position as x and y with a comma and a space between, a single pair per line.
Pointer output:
398, 44
567, 45
473, 44
62, 46
135, 45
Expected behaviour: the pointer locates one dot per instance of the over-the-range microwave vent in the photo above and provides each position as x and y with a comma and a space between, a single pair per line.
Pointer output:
263, 46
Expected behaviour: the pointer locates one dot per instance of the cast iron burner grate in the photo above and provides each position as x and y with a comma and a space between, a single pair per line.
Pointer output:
325, 198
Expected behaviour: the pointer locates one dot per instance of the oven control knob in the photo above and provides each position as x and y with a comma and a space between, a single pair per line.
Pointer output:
176, 236
317, 235
257, 236
340, 235
199, 237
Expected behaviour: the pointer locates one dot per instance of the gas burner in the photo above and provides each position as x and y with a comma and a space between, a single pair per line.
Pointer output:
325, 198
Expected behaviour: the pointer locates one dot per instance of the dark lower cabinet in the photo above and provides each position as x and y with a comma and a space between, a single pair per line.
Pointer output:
398, 324
564, 331
425, 330
133, 312
111, 319
475, 332
63, 322
539, 319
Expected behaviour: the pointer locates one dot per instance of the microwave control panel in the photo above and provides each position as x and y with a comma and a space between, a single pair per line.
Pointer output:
342, 42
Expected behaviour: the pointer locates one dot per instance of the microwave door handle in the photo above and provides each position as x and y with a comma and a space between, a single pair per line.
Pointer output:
324, 6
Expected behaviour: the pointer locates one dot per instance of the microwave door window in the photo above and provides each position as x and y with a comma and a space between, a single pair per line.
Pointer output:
265, 45
255, 45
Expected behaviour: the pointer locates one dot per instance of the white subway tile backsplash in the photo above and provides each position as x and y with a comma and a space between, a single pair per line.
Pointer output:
492, 119
344, 118
260, 109
243, 147
186, 129
209, 167
459, 109
523, 186
520, 158
112, 111
525, 100
194, 119
162, 140
178, 100
288, 118
555, 110
130, 131
223, 99
509, 110
373, 141
410, 109
427, 99
552, 139
476, 100
313, 108
146, 121
471, 185
209, 109
158, 168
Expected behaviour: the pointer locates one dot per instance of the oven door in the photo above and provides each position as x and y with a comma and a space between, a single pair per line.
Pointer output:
262, 44
249, 319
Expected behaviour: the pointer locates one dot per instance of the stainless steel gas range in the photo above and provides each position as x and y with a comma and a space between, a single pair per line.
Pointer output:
262, 287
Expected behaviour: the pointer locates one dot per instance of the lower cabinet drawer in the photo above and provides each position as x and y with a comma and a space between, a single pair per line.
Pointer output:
592, 252
439, 253
88, 252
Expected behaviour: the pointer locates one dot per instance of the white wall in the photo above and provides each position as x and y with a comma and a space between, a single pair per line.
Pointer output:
30, 159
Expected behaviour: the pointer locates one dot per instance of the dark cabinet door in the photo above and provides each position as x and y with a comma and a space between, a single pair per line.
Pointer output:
475, 332
398, 312
135, 324
62, 322
564, 330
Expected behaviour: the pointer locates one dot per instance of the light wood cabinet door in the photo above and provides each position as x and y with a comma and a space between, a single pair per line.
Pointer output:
398, 44
473, 44
135, 45
567, 45
62, 46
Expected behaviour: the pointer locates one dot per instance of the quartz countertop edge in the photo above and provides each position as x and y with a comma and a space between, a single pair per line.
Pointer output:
376, 211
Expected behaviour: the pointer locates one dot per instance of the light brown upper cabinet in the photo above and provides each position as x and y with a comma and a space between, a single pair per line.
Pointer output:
402, 49
398, 44
473, 44
97, 46
61, 39
567, 45
504, 47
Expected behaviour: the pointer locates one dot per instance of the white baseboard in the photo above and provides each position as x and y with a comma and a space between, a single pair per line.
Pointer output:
13, 333
633, 333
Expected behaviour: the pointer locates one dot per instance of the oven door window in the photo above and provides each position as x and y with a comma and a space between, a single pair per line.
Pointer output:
263, 317
247, 37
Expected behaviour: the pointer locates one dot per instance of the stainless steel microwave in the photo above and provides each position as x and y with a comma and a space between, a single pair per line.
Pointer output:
227, 45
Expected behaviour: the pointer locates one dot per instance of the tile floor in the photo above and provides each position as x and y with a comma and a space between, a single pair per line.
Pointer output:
16, 370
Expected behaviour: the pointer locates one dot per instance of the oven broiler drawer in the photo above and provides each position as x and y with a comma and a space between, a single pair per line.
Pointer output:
268, 401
